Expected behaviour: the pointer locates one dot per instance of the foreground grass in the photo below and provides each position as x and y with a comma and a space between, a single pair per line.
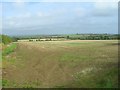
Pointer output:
63, 64
8, 56
10, 48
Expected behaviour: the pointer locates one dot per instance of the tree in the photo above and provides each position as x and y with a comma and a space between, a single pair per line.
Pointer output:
68, 37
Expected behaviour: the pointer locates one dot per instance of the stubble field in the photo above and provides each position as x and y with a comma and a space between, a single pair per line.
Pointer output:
62, 64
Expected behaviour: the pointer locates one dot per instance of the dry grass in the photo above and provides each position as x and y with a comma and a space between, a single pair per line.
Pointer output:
62, 64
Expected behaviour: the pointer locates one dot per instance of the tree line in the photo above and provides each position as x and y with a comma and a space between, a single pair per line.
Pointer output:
7, 39
94, 37
73, 37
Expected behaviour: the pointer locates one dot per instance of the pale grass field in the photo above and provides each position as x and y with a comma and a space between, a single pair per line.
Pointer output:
62, 64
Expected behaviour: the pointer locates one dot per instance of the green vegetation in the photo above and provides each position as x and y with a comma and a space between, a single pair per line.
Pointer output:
71, 37
9, 49
93, 36
5, 83
5, 39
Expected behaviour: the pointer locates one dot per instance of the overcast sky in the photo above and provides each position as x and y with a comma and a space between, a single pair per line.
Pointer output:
23, 17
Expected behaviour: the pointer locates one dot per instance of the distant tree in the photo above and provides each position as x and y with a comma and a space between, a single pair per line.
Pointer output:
38, 39
105, 37
68, 37
14, 39
118, 37
30, 40
101, 37
77, 33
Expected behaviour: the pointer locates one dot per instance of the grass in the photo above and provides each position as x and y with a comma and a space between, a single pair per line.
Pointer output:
9, 49
7, 58
63, 64
5, 83
105, 79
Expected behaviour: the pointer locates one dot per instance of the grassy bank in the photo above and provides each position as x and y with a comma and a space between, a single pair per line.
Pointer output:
9, 49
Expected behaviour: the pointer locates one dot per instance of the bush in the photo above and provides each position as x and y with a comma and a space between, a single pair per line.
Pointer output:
6, 39
30, 40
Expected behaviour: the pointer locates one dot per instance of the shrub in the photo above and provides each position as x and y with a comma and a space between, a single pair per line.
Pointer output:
6, 39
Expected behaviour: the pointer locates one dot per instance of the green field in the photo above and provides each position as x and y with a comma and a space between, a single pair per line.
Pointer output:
61, 64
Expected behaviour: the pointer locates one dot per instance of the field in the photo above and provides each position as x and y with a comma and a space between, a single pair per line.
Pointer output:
61, 64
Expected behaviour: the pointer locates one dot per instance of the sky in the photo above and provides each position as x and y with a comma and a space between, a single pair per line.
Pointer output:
28, 17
